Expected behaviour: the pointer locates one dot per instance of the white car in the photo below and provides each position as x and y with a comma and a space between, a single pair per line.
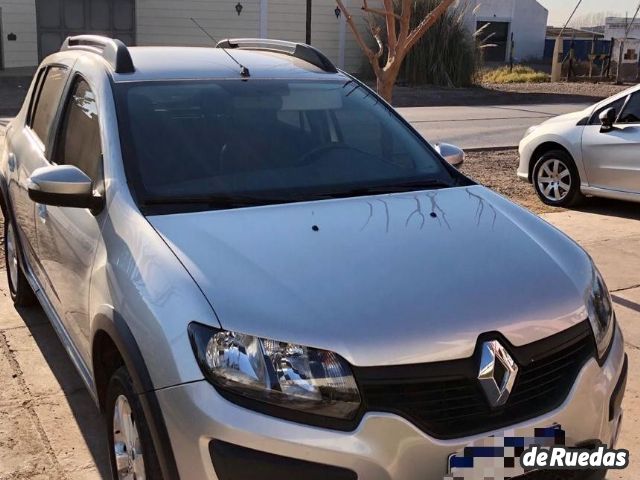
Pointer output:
593, 152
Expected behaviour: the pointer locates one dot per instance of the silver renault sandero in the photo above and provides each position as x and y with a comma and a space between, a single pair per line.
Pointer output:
261, 271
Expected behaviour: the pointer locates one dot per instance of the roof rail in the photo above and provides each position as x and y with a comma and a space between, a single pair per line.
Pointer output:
299, 50
113, 51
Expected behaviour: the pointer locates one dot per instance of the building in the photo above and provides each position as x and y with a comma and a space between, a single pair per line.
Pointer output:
31, 29
616, 27
525, 19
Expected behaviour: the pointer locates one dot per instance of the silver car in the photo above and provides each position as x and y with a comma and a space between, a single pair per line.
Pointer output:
261, 271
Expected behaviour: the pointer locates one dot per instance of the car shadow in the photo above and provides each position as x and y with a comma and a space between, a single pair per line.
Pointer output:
86, 415
611, 208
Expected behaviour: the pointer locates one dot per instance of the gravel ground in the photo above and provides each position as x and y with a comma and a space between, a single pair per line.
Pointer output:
504, 94
596, 90
497, 170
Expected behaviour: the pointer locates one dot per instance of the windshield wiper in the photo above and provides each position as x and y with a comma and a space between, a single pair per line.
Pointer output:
394, 188
214, 201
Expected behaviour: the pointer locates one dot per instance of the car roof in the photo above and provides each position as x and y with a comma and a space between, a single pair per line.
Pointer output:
184, 63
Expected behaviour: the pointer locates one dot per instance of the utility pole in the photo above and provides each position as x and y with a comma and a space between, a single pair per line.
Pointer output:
626, 35
308, 37
558, 51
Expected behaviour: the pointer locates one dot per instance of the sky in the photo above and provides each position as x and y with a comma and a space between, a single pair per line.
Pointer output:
559, 10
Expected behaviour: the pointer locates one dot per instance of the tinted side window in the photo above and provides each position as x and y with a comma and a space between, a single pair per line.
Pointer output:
618, 104
79, 141
631, 111
47, 103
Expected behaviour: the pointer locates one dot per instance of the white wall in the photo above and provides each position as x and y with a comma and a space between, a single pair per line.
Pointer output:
287, 21
167, 22
617, 26
527, 18
530, 29
19, 17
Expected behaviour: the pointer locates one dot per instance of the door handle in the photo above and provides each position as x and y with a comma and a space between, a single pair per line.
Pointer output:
42, 212
12, 162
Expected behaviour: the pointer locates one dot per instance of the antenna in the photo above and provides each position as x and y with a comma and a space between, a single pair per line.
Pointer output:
244, 71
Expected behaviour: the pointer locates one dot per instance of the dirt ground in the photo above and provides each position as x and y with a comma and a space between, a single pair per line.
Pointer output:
497, 170
512, 94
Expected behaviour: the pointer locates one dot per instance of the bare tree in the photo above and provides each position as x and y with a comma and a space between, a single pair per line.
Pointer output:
397, 42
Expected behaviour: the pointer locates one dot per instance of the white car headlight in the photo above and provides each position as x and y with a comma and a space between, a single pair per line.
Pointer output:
282, 374
601, 315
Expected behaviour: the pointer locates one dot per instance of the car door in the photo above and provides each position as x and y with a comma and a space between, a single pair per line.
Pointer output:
68, 237
28, 148
612, 158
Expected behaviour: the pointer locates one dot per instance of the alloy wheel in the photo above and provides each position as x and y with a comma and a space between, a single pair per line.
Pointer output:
126, 442
554, 180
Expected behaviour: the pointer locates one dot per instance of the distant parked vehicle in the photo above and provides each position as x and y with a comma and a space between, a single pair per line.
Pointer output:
593, 152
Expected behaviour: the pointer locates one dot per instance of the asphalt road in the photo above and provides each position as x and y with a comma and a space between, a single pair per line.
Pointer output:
484, 126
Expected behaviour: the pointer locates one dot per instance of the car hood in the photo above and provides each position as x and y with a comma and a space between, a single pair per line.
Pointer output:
388, 279
573, 117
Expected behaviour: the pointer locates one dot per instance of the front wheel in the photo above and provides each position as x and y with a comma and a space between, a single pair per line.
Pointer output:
556, 179
130, 446
19, 288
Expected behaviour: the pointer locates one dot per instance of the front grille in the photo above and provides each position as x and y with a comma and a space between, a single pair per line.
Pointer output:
446, 401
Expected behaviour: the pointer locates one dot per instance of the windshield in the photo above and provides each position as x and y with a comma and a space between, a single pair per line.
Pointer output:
228, 143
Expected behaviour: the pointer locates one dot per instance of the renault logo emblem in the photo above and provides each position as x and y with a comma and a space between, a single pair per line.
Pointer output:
497, 373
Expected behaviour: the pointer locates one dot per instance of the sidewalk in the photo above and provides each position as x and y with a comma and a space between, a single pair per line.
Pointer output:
612, 238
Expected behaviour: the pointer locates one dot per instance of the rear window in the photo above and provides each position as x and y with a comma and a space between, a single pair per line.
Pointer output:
287, 140
47, 102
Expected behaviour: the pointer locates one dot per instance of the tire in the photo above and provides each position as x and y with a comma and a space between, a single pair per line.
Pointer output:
556, 179
19, 288
137, 456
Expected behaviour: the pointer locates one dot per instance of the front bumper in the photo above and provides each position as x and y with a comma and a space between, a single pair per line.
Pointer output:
384, 446
525, 151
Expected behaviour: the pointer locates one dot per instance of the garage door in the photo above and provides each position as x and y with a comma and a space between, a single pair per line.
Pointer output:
58, 19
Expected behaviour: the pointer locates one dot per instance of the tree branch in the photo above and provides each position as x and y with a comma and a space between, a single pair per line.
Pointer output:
427, 23
383, 13
405, 21
375, 32
392, 38
352, 25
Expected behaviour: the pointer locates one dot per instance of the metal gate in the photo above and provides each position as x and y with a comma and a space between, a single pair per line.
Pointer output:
58, 19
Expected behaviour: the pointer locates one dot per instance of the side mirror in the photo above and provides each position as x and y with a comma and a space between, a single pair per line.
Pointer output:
63, 186
607, 119
451, 153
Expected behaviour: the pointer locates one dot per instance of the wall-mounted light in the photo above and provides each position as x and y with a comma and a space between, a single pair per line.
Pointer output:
338, 12
239, 8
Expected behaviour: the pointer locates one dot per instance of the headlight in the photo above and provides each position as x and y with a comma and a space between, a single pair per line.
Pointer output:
530, 130
601, 314
277, 373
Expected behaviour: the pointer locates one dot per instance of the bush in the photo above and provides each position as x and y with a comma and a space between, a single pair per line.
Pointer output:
447, 54
519, 74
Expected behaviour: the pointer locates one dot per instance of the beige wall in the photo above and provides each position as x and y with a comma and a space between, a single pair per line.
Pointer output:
163, 22
167, 22
19, 17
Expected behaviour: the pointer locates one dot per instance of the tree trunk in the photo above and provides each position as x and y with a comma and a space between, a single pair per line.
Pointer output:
384, 85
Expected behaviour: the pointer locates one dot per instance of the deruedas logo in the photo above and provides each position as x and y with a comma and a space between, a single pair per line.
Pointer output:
563, 458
